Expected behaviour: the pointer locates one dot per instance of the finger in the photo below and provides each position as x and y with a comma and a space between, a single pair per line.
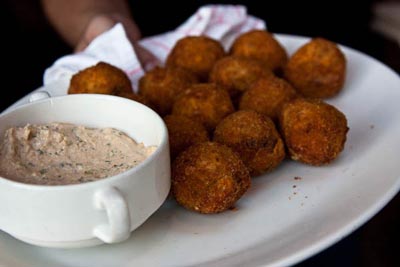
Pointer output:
96, 26
83, 43
147, 59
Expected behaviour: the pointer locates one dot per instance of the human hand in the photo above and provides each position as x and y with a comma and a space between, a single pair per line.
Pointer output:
102, 23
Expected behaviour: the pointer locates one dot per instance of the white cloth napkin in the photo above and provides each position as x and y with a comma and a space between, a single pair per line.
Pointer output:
221, 22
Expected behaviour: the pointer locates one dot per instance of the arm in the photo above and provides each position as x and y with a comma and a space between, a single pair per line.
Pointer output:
80, 21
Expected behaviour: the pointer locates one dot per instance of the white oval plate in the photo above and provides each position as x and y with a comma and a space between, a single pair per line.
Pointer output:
281, 220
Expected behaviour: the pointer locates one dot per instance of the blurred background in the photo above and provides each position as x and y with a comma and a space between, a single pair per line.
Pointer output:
30, 45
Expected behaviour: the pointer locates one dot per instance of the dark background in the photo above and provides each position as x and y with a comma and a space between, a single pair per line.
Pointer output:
29, 46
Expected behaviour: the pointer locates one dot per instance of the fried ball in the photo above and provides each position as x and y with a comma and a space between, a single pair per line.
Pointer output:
255, 139
102, 78
137, 98
314, 132
267, 95
196, 54
184, 132
236, 74
262, 46
161, 86
204, 102
209, 178
317, 69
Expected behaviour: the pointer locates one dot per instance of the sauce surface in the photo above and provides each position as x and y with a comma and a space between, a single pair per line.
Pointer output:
62, 153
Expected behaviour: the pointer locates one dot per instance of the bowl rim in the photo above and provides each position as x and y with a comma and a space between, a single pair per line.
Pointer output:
130, 172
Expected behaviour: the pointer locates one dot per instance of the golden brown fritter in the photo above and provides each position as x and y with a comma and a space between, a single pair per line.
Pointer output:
135, 97
317, 69
267, 95
102, 78
209, 178
237, 74
196, 54
262, 46
184, 132
314, 132
161, 86
255, 139
204, 102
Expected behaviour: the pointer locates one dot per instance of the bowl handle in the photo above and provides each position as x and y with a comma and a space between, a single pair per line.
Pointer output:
119, 224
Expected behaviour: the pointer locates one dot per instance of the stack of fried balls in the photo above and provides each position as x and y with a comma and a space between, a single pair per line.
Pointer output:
236, 115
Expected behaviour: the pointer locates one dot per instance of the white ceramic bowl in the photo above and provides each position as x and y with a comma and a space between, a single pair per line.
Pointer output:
104, 211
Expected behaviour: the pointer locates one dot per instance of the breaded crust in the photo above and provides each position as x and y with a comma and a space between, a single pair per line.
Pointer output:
314, 132
135, 97
262, 46
209, 178
197, 54
267, 95
255, 139
206, 103
317, 69
162, 85
184, 132
237, 74
102, 78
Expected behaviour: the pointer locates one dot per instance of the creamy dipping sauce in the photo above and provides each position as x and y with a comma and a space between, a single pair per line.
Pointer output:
62, 153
